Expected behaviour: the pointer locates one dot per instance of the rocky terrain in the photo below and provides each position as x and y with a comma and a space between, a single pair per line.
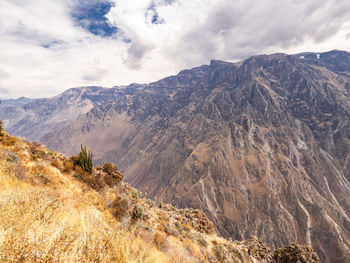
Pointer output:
52, 210
262, 146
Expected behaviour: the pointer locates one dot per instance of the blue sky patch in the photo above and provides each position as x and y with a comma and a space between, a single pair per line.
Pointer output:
91, 17
152, 11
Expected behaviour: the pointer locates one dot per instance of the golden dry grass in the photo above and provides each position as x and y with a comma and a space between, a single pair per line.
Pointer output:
50, 213
41, 223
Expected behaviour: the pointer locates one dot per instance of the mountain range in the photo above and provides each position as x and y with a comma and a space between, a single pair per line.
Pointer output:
262, 146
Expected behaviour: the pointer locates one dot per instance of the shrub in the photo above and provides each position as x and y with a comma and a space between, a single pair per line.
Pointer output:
110, 168
57, 163
150, 202
187, 227
201, 240
179, 226
85, 159
296, 253
219, 252
12, 157
88, 179
113, 176
119, 207
237, 253
9, 141
137, 213
135, 193
79, 171
68, 165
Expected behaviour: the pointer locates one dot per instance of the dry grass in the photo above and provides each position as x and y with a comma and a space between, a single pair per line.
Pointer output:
45, 224
52, 211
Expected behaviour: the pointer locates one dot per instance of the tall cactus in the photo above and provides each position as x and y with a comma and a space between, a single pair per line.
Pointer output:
2, 132
85, 159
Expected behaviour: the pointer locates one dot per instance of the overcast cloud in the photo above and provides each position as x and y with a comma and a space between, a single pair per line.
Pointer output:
47, 47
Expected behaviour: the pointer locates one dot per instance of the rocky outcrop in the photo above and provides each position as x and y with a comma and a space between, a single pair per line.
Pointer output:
262, 146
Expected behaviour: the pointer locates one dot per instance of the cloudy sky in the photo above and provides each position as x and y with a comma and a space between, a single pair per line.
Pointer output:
48, 46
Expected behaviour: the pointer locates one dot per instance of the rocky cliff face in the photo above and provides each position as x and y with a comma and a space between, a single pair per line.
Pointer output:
262, 146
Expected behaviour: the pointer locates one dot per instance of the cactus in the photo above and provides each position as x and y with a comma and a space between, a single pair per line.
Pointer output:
85, 159
2, 132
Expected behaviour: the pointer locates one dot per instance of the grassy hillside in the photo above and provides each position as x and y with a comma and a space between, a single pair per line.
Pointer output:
53, 211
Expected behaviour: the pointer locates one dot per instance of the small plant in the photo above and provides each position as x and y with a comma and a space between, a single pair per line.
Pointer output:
201, 240
237, 253
137, 213
119, 207
12, 157
187, 227
150, 202
179, 225
85, 159
219, 252
135, 193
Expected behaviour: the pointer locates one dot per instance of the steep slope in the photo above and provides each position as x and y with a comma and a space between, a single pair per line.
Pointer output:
53, 211
262, 146
32, 118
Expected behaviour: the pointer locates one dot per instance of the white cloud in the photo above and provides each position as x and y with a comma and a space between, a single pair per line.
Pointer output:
43, 51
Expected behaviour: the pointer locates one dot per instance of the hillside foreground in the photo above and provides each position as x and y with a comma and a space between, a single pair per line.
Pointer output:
53, 211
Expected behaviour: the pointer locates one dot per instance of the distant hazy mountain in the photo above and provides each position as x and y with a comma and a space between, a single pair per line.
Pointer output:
262, 146
14, 102
33, 118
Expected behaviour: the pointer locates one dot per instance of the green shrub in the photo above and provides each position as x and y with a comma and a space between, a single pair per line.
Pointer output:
137, 213
135, 193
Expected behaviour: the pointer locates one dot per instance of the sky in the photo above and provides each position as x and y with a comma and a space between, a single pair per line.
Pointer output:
49, 46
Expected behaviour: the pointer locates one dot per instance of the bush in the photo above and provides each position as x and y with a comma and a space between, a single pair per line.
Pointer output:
113, 177
57, 163
68, 165
88, 179
119, 207
150, 202
137, 213
135, 193
296, 253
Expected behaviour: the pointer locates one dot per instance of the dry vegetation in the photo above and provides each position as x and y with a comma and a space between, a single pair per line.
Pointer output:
53, 211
